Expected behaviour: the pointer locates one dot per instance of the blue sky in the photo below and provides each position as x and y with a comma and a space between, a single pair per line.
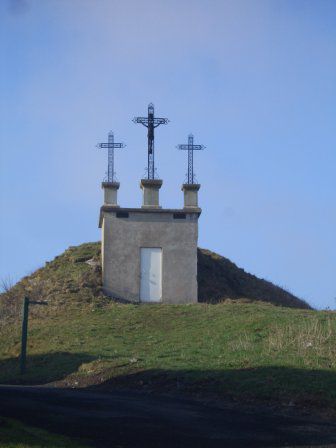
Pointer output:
253, 80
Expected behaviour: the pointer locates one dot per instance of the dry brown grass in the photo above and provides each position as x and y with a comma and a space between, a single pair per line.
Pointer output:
312, 337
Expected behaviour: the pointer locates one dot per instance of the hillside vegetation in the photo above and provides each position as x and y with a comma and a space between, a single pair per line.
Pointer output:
74, 279
244, 351
220, 279
242, 347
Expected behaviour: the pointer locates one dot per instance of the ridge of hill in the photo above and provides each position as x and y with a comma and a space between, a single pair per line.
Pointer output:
74, 278
220, 279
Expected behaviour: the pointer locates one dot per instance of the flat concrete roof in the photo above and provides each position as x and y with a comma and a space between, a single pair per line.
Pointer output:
140, 210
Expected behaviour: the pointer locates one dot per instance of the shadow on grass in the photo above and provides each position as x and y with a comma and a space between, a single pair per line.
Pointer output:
15, 434
193, 423
280, 385
220, 279
283, 385
42, 369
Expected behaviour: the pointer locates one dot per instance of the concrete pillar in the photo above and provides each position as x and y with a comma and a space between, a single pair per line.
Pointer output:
190, 195
150, 189
111, 193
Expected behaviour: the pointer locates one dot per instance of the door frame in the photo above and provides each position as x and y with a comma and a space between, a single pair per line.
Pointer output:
161, 273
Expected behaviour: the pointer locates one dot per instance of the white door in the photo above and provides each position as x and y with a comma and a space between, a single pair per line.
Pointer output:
151, 272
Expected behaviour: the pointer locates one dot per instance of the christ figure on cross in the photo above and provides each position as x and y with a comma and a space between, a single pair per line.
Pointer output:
150, 122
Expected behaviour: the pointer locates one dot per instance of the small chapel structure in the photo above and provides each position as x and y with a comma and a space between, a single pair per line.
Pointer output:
149, 254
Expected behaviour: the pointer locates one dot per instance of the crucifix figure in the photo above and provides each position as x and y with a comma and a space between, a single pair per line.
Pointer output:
111, 147
150, 123
191, 148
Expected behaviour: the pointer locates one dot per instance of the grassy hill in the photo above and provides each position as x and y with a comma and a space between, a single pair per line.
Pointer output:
74, 278
243, 349
220, 279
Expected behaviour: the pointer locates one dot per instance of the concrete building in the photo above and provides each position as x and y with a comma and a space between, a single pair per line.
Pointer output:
149, 254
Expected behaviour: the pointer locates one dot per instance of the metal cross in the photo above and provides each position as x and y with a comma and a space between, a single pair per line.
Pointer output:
150, 123
111, 147
191, 148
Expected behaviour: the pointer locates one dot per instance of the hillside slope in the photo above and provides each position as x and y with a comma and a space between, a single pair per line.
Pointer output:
74, 278
220, 279
246, 351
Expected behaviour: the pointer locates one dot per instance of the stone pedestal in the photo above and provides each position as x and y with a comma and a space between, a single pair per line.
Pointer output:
190, 195
111, 193
150, 189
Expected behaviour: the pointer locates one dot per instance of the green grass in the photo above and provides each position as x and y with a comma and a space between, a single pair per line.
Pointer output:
249, 351
244, 351
69, 281
16, 435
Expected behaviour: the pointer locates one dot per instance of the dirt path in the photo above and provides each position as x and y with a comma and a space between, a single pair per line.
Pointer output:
127, 419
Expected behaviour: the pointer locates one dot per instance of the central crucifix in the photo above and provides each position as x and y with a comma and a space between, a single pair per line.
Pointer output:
150, 123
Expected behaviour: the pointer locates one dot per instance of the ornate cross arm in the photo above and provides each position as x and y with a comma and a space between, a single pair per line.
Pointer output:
107, 145
155, 121
141, 120
193, 148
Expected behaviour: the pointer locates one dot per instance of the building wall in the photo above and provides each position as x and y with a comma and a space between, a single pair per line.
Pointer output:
122, 239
